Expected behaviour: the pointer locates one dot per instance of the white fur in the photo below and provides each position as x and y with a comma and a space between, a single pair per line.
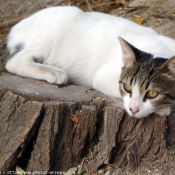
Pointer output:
80, 46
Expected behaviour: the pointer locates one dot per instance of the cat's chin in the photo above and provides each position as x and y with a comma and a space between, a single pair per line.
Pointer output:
139, 116
165, 111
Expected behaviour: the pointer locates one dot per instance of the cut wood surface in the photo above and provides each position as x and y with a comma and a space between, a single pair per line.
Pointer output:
47, 128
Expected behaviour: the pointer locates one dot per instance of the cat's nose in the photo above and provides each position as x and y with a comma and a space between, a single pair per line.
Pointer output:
134, 111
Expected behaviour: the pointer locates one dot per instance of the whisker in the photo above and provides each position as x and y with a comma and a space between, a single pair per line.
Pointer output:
117, 99
118, 102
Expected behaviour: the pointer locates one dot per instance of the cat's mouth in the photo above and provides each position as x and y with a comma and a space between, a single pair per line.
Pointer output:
138, 116
163, 110
119, 103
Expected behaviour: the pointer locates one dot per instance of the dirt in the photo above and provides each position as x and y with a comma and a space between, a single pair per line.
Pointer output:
158, 14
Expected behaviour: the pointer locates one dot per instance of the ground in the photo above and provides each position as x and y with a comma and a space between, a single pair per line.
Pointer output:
158, 14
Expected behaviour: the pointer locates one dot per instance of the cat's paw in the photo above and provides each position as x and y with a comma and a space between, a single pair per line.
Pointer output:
57, 77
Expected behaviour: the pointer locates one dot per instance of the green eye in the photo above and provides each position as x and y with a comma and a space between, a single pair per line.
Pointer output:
152, 94
127, 88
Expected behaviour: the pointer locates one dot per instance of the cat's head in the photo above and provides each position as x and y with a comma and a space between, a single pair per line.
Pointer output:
147, 84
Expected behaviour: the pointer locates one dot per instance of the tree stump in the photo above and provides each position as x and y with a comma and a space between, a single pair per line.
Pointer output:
47, 128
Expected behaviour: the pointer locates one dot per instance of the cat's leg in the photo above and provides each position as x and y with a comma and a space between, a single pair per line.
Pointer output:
23, 64
106, 80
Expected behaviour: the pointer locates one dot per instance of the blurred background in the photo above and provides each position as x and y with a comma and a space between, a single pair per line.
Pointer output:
12, 11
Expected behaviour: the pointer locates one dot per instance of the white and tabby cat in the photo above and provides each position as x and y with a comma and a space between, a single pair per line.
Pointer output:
65, 44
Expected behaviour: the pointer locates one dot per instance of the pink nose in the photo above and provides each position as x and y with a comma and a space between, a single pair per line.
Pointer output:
134, 111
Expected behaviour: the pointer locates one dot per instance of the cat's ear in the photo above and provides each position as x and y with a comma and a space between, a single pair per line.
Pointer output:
169, 66
128, 56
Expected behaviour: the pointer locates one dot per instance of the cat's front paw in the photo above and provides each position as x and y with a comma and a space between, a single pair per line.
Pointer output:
57, 77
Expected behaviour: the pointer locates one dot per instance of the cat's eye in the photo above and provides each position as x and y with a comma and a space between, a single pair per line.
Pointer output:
152, 94
127, 88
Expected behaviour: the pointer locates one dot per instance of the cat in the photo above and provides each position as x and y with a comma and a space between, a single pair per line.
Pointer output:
111, 54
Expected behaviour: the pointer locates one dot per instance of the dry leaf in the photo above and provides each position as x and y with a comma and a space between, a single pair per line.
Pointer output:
138, 19
75, 118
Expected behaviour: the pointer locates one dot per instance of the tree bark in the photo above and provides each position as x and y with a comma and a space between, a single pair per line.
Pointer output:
48, 128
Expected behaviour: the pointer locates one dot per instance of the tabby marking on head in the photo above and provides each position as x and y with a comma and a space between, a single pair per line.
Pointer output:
147, 84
